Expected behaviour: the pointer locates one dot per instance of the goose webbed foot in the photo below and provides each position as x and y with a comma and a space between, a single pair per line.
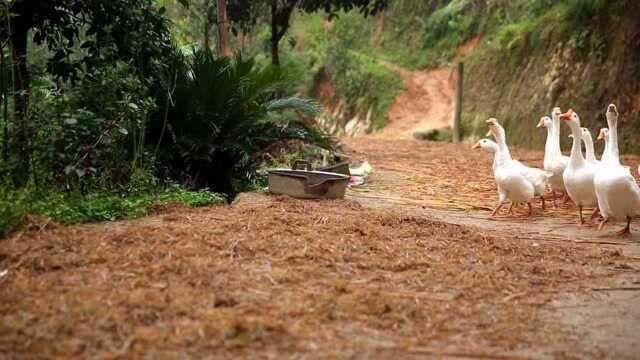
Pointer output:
602, 224
627, 229
595, 215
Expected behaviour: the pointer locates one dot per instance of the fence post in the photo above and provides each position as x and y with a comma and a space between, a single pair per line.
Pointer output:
458, 112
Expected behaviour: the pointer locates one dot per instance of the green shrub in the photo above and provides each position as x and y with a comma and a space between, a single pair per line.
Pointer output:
581, 12
12, 210
225, 113
367, 84
91, 134
448, 26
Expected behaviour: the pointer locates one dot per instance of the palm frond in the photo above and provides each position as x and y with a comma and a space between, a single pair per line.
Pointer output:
307, 106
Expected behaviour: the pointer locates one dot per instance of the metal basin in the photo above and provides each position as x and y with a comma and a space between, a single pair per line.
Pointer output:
307, 184
340, 168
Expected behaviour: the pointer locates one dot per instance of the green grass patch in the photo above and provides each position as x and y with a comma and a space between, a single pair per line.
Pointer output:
72, 208
354, 66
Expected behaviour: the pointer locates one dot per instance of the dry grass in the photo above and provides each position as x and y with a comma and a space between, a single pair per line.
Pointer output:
273, 277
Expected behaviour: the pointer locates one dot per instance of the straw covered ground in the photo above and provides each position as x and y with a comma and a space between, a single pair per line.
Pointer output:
449, 175
274, 277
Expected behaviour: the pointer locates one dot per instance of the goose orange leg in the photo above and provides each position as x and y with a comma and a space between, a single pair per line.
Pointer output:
531, 208
495, 211
542, 200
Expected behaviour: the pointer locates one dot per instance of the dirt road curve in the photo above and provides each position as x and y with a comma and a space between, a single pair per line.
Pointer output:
426, 103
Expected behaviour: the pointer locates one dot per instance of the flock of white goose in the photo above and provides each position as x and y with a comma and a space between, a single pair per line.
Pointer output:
605, 185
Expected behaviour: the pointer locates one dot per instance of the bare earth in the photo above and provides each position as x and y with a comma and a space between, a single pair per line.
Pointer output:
407, 266
427, 103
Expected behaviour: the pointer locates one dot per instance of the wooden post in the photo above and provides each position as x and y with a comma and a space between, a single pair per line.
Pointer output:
223, 31
458, 112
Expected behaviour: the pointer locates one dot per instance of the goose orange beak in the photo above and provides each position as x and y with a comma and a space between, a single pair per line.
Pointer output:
601, 135
540, 123
567, 115
476, 145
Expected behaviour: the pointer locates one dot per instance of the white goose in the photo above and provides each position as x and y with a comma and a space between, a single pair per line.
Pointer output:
549, 146
604, 135
588, 146
554, 161
511, 183
560, 162
578, 176
617, 191
538, 178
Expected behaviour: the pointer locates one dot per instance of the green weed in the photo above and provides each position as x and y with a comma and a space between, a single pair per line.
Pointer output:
74, 207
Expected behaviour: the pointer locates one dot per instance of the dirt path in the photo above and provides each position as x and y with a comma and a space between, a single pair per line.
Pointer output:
428, 100
426, 104
407, 266
453, 184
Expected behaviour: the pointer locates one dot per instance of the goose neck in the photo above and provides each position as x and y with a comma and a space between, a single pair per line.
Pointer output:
576, 148
588, 144
606, 155
549, 148
556, 135
613, 141
502, 145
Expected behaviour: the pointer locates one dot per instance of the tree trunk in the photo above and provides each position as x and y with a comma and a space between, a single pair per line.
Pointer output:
223, 31
206, 42
206, 39
4, 85
19, 34
275, 40
280, 17
242, 38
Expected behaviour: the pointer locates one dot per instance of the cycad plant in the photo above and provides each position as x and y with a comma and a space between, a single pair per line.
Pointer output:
222, 113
